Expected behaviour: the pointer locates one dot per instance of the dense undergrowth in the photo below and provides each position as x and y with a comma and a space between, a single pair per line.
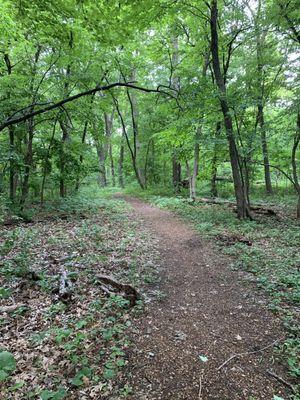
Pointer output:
52, 349
272, 260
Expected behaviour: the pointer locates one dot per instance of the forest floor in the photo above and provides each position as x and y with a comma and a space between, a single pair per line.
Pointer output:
196, 311
206, 315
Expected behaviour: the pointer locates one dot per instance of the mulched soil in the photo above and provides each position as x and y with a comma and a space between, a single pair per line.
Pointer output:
207, 310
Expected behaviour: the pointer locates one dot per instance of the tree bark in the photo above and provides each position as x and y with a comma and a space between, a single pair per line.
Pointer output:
175, 84
135, 127
176, 173
12, 166
29, 152
260, 41
193, 179
46, 161
64, 124
132, 150
121, 162
108, 133
294, 163
214, 162
243, 208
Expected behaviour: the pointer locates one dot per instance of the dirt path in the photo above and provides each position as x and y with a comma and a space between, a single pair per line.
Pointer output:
207, 310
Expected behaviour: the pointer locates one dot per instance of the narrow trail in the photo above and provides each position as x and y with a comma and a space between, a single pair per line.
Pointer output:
207, 310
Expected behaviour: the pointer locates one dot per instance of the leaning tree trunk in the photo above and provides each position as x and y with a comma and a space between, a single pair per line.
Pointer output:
136, 142
243, 207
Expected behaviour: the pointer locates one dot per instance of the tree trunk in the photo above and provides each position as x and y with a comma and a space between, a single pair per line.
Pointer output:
112, 165
62, 164
260, 43
121, 162
193, 178
28, 164
176, 169
175, 84
135, 127
46, 161
29, 153
135, 149
294, 162
243, 208
12, 166
101, 151
64, 124
214, 162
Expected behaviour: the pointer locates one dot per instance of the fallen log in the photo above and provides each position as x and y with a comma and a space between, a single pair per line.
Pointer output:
65, 287
12, 308
258, 208
127, 291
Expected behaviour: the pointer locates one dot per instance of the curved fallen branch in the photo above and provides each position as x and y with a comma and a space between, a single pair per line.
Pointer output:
12, 308
249, 353
281, 380
127, 291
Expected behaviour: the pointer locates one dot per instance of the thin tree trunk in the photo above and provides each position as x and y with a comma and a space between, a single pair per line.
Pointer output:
62, 164
12, 166
133, 151
101, 152
175, 83
29, 152
112, 165
46, 160
176, 171
28, 163
121, 162
193, 180
135, 127
260, 42
65, 128
294, 162
214, 162
243, 208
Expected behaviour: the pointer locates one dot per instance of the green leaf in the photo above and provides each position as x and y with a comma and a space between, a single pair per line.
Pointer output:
50, 395
203, 358
278, 398
16, 386
7, 361
120, 362
77, 380
109, 373
3, 375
